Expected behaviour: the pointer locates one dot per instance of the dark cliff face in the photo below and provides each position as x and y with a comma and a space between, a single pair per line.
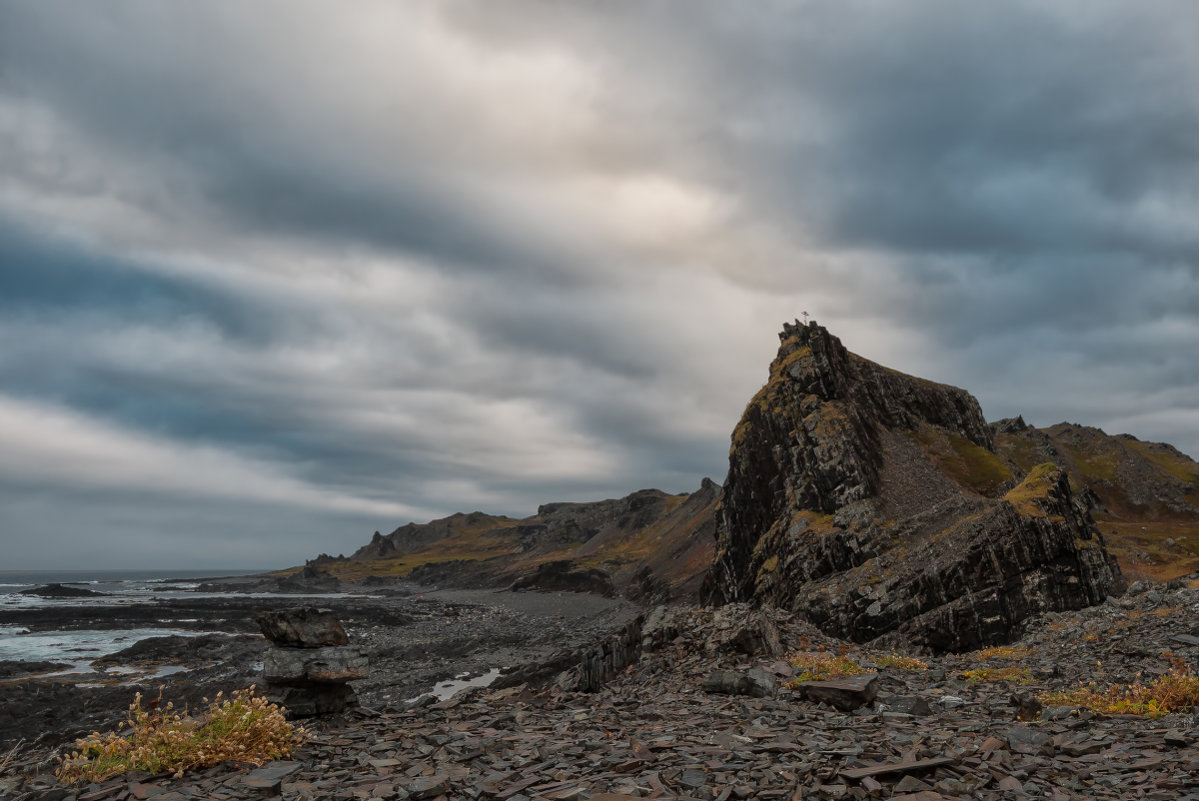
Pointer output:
874, 503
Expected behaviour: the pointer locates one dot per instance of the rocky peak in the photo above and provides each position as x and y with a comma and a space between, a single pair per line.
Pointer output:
855, 491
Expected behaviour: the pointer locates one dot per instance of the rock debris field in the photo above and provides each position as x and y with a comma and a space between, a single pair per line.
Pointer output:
657, 730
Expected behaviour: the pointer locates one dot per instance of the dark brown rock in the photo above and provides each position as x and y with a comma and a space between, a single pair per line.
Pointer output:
874, 503
846, 694
302, 627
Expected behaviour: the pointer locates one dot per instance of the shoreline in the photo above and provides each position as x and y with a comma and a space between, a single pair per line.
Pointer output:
414, 637
663, 727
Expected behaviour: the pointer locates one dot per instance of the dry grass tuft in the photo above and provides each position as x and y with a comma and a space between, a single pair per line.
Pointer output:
901, 662
822, 667
1017, 674
1176, 691
1005, 652
246, 728
4, 762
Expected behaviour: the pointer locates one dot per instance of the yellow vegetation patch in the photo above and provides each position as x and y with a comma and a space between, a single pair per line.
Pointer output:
967, 464
1030, 493
1004, 652
1017, 674
1177, 691
900, 662
822, 667
782, 367
246, 728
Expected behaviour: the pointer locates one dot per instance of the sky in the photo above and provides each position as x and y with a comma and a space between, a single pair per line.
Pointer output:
276, 275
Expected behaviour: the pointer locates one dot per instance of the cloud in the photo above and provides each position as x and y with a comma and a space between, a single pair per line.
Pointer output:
446, 256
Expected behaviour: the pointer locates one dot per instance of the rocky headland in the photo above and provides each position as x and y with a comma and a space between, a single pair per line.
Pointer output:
874, 503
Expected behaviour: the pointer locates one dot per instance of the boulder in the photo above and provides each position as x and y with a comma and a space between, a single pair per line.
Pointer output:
302, 627
846, 694
756, 682
316, 699
301, 666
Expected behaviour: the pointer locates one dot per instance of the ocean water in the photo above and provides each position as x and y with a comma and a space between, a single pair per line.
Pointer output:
23, 579
79, 646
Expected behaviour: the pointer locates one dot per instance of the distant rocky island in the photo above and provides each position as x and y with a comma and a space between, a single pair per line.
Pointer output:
879, 506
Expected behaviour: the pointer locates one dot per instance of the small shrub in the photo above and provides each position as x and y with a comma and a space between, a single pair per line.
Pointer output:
1176, 691
246, 728
823, 666
901, 662
1017, 674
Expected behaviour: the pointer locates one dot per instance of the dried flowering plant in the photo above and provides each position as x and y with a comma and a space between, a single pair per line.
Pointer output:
244, 728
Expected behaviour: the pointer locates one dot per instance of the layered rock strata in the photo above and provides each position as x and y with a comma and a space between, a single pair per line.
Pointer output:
874, 503
309, 666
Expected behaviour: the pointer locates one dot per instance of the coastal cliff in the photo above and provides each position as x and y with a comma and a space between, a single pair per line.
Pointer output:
874, 503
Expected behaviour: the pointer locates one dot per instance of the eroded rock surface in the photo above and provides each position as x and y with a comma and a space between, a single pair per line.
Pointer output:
874, 503
302, 627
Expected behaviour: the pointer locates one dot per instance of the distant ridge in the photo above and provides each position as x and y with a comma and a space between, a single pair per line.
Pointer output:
648, 545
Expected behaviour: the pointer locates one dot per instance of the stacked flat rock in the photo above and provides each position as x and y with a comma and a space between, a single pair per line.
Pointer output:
310, 665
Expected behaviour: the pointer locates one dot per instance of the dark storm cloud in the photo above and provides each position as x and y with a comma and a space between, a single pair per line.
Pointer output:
40, 277
399, 261
196, 99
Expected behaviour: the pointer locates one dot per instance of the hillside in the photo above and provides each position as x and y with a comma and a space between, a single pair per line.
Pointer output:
647, 545
1145, 494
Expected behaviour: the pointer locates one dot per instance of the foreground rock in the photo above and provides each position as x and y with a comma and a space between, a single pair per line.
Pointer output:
874, 502
309, 666
302, 627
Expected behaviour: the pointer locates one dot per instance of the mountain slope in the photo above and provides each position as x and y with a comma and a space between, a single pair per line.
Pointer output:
648, 545
1146, 494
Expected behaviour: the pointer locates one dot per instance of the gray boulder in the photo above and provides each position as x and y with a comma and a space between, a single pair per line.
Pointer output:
302, 627
299, 666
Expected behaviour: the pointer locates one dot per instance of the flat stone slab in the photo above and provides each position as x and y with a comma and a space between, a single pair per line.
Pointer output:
302, 627
909, 766
846, 694
269, 778
755, 682
313, 665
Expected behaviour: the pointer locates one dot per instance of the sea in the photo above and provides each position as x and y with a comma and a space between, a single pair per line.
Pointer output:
79, 646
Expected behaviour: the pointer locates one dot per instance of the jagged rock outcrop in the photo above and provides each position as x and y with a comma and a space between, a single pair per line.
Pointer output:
415, 537
873, 502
